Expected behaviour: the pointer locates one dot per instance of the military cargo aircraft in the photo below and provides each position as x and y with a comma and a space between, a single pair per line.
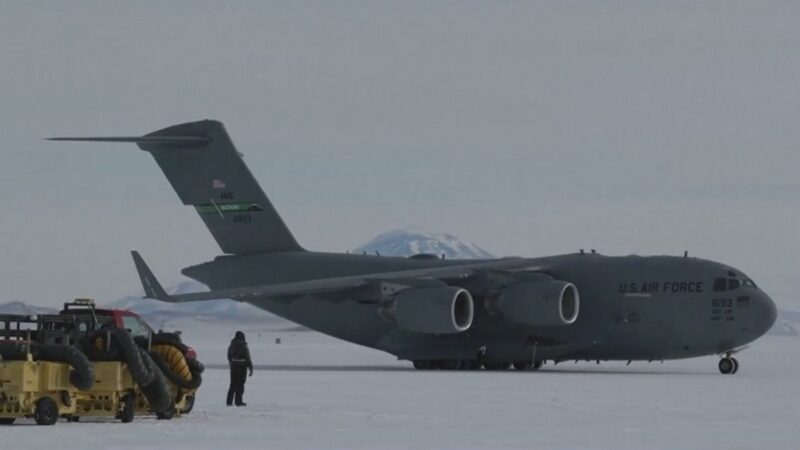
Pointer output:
449, 314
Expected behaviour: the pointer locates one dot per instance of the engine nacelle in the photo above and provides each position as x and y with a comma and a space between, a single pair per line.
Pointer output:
545, 303
433, 309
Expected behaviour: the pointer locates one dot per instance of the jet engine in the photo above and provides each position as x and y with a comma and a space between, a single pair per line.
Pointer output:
433, 309
544, 303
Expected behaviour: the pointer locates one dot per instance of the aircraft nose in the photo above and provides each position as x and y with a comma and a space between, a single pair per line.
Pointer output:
768, 313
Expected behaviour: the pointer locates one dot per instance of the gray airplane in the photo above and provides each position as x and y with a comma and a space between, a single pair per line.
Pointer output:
449, 314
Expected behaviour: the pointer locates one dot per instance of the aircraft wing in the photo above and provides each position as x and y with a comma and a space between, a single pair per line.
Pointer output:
153, 289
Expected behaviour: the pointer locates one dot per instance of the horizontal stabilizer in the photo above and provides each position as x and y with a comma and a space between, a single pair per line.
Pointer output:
155, 140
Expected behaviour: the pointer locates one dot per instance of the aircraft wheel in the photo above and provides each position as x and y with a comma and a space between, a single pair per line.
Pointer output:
449, 364
420, 364
523, 365
727, 366
537, 364
46, 411
471, 365
496, 366
7, 420
735, 365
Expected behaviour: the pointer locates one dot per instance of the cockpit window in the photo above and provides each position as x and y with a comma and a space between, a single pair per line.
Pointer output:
729, 284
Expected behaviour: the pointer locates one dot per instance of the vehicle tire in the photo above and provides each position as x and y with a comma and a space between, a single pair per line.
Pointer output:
7, 420
166, 415
537, 364
126, 413
189, 405
735, 365
46, 411
726, 366
523, 365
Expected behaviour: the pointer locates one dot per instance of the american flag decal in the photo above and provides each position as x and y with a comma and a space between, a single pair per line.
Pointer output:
217, 184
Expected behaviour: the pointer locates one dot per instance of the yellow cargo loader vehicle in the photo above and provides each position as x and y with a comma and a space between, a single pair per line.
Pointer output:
37, 389
87, 362
44, 375
167, 389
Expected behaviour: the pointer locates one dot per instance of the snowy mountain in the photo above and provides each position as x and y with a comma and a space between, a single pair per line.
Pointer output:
164, 315
24, 309
412, 241
788, 324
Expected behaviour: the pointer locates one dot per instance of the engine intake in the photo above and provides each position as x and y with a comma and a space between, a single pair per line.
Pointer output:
543, 303
433, 309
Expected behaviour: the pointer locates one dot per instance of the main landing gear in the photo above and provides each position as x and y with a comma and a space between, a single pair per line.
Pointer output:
728, 365
475, 365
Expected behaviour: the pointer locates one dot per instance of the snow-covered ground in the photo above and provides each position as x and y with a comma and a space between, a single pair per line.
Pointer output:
312, 391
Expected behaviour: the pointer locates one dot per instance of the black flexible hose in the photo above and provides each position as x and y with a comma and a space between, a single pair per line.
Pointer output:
176, 379
82, 374
142, 373
195, 366
14, 351
157, 392
164, 338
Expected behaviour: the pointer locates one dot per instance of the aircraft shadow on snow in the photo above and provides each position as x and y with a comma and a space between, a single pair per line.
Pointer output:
564, 369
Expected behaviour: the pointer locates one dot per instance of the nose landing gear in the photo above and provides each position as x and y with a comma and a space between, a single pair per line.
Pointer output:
728, 365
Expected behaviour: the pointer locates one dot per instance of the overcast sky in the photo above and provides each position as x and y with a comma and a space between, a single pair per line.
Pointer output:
529, 128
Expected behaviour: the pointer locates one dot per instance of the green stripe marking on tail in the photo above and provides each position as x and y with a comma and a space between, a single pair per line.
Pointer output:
211, 208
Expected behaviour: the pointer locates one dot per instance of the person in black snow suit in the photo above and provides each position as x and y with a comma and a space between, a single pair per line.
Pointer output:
239, 362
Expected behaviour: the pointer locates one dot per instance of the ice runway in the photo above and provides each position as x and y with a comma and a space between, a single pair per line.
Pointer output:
313, 392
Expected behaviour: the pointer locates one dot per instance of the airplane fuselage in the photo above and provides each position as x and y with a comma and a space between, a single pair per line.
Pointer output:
631, 307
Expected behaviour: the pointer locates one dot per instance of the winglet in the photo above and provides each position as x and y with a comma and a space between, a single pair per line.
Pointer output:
152, 288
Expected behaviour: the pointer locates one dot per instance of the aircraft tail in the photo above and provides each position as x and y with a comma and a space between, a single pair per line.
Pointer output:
207, 172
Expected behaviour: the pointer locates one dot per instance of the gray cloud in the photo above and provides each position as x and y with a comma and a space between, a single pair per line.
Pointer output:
525, 127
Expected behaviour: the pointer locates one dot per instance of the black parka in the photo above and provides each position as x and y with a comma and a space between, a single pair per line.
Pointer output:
238, 353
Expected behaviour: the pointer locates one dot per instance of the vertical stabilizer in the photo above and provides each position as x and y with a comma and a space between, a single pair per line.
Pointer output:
208, 173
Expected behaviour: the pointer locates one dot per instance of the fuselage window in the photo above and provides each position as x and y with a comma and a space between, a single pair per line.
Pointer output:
720, 284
